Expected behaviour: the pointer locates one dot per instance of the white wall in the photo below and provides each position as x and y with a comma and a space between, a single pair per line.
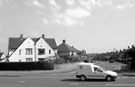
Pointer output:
43, 44
15, 57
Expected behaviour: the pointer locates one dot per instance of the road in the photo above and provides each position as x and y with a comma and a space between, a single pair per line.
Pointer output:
63, 78
41, 79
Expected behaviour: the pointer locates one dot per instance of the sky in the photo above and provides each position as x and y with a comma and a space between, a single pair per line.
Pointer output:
96, 26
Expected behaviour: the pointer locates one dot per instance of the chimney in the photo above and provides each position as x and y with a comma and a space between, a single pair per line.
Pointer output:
21, 36
64, 41
43, 35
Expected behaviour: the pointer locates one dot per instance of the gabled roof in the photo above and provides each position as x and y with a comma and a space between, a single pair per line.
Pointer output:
51, 42
65, 48
35, 39
14, 43
78, 51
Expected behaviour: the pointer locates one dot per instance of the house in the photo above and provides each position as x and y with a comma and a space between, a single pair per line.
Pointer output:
66, 51
2, 57
28, 49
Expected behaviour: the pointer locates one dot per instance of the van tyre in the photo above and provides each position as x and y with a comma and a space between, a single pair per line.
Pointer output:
109, 78
82, 78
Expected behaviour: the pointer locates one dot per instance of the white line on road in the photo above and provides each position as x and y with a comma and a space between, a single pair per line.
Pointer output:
132, 77
21, 81
50, 77
125, 77
74, 84
120, 84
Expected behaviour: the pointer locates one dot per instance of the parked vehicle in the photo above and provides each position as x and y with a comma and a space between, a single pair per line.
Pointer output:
111, 61
91, 71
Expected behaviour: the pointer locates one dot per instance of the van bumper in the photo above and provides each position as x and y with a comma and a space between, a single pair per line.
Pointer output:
114, 77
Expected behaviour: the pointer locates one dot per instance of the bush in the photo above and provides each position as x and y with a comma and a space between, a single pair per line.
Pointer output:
27, 65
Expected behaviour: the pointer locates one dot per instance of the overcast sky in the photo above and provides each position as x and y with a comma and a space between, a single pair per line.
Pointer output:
93, 25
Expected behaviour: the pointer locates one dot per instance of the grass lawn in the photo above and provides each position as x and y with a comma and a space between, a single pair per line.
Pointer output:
106, 65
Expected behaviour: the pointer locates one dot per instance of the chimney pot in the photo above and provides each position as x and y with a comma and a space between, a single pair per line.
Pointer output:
43, 35
21, 36
64, 41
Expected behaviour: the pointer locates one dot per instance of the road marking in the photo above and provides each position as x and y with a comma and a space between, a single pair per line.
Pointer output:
132, 77
120, 84
125, 77
74, 84
72, 72
21, 81
49, 77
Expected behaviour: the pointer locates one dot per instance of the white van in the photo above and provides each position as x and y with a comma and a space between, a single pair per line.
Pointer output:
90, 71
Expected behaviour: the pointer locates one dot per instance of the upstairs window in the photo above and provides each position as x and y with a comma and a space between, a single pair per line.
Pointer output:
49, 51
19, 52
28, 51
41, 51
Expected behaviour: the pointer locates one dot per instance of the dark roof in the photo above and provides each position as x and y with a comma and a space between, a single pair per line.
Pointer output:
14, 43
35, 39
78, 51
64, 54
65, 48
1, 54
51, 42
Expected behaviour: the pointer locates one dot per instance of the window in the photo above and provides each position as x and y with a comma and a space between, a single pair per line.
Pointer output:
97, 69
49, 51
28, 51
29, 59
41, 59
41, 51
19, 52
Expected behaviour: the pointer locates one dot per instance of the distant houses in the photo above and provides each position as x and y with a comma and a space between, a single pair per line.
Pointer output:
68, 52
2, 57
29, 49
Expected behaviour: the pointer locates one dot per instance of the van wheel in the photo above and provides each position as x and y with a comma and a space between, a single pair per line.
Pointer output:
109, 78
82, 78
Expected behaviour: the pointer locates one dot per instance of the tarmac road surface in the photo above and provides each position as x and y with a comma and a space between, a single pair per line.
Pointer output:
60, 80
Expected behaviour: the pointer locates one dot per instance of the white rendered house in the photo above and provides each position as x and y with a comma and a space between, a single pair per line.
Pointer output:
31, 49
43, 50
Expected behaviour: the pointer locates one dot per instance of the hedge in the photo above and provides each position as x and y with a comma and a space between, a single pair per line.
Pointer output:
45, 65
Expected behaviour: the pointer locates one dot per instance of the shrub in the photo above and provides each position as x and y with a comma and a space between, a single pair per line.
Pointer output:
27, 65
